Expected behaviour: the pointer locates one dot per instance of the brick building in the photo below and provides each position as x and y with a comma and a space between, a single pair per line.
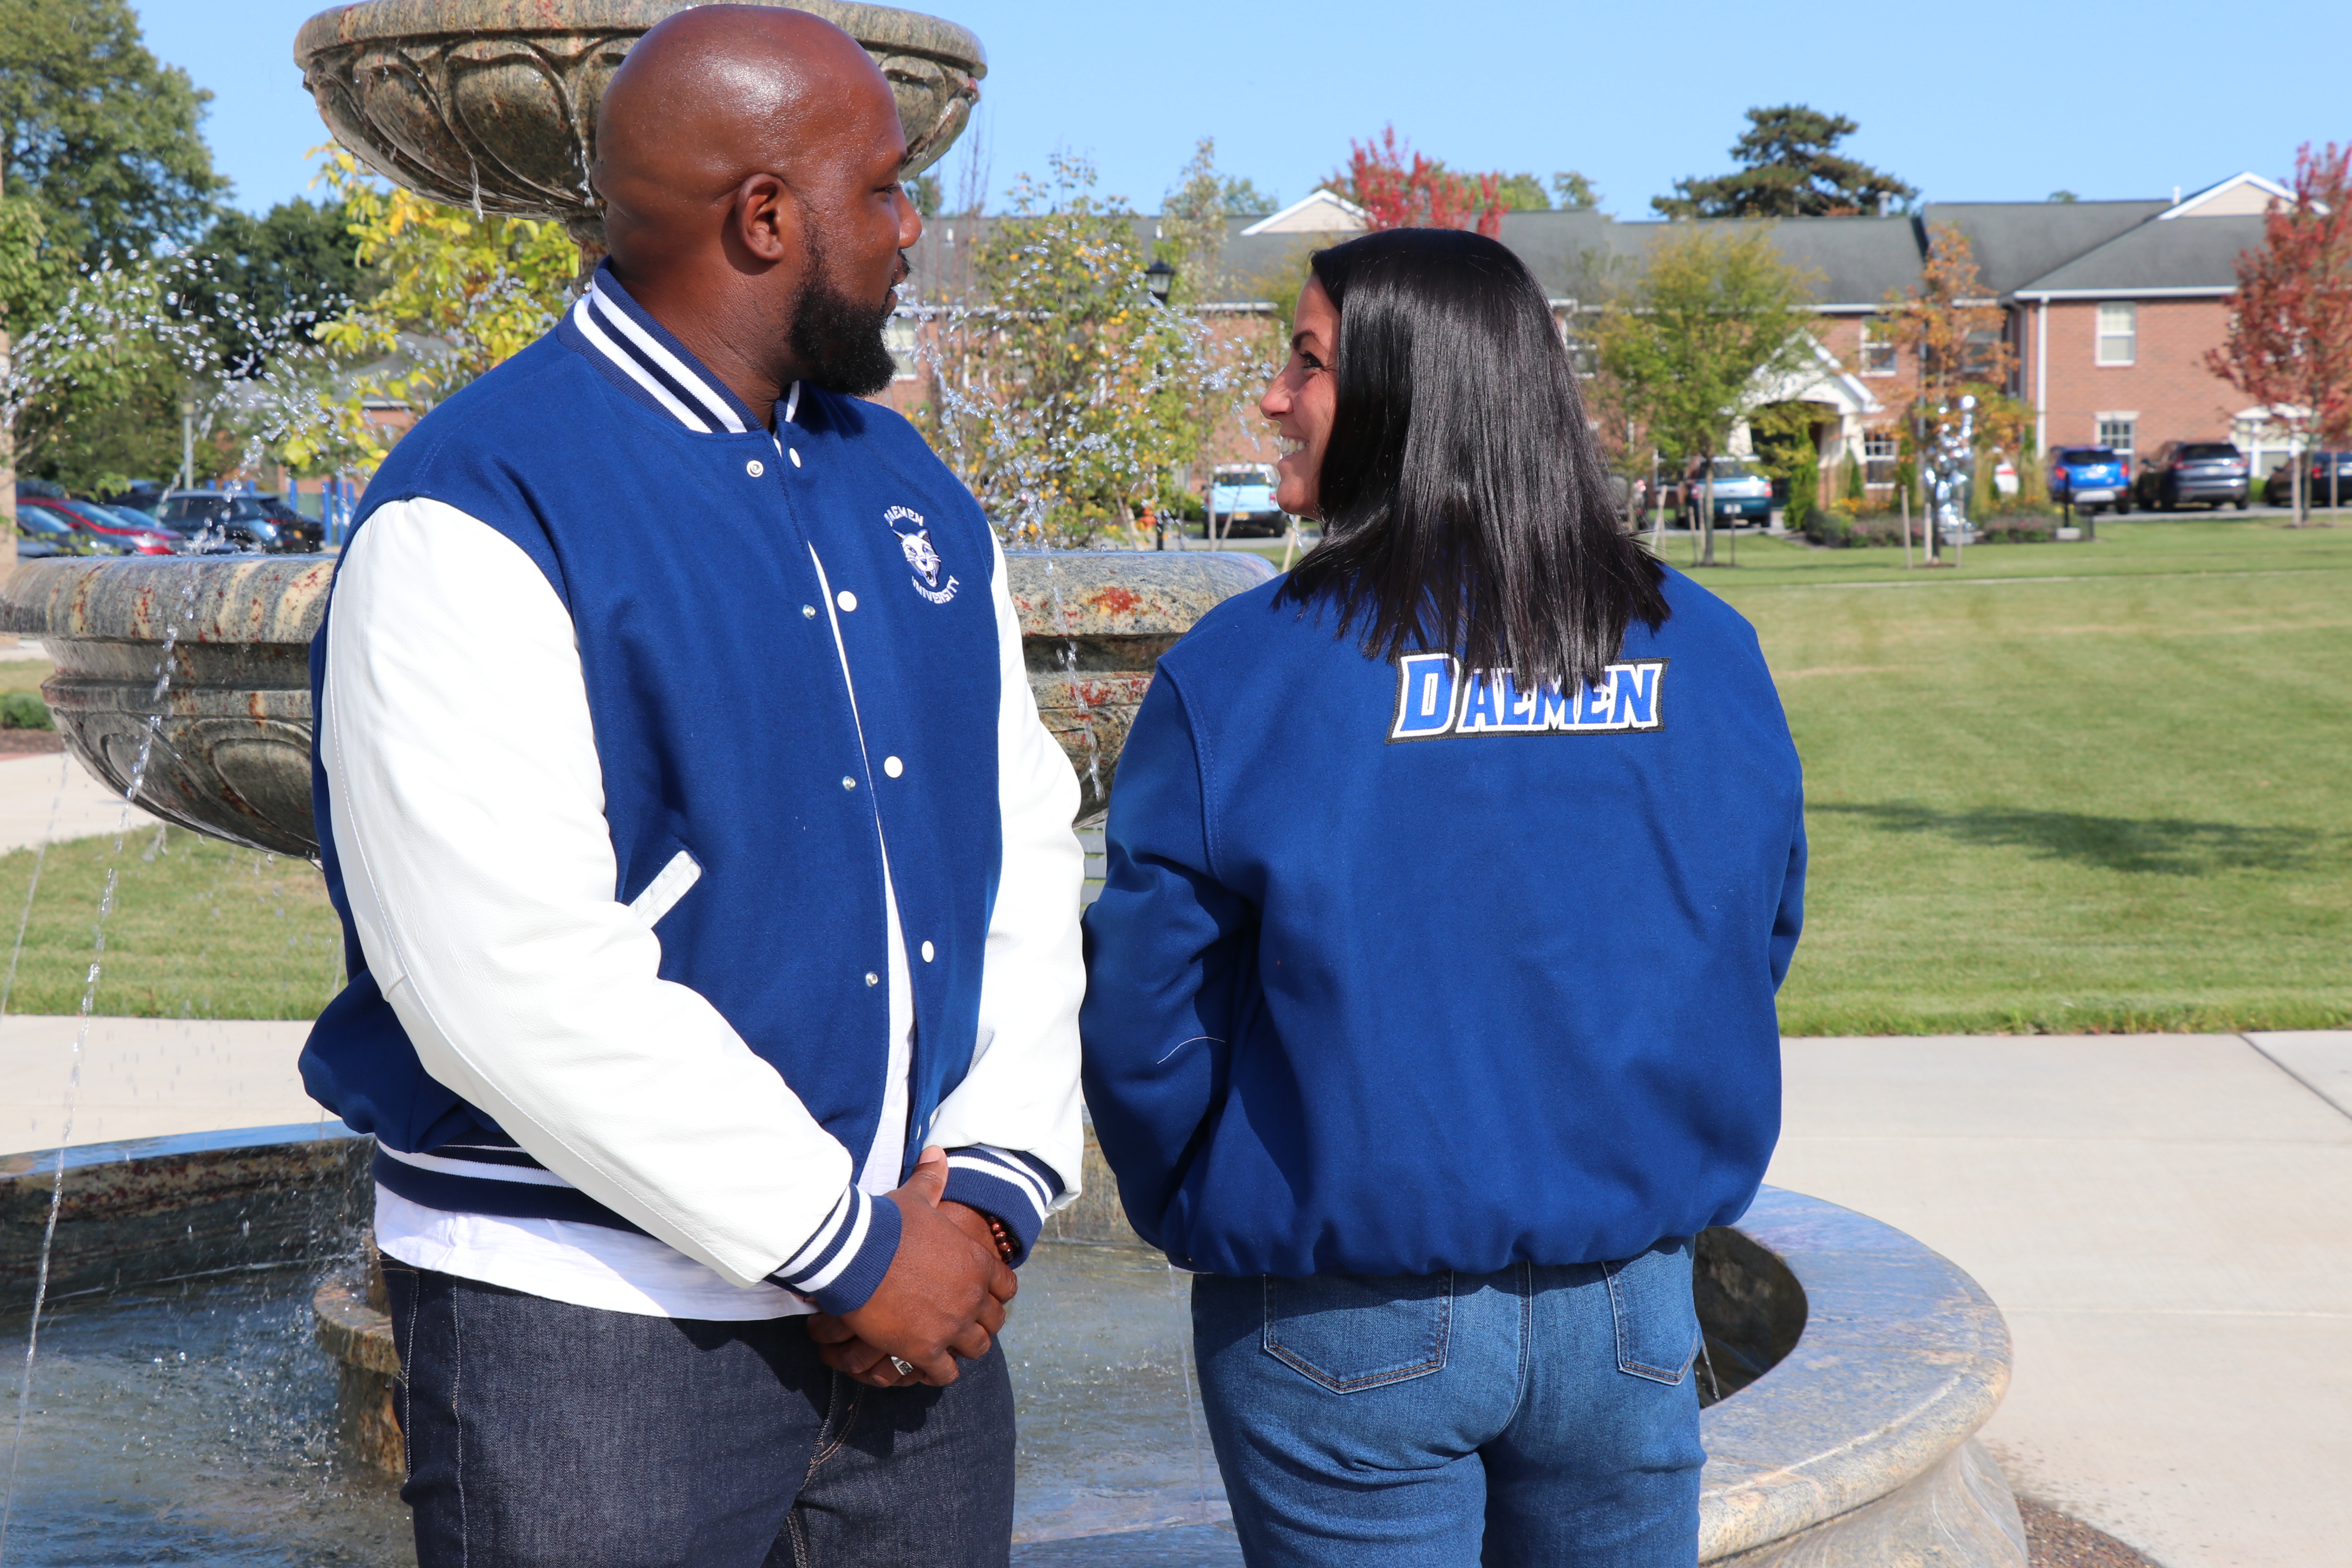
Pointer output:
2110, 306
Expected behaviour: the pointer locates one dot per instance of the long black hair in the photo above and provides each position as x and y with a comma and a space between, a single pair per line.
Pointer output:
1464, 504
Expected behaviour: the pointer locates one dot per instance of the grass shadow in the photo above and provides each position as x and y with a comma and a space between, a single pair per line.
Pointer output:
2159, 846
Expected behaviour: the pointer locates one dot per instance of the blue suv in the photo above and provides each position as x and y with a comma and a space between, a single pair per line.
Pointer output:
2091, 478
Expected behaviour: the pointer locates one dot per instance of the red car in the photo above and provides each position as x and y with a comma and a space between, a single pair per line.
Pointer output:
102, 521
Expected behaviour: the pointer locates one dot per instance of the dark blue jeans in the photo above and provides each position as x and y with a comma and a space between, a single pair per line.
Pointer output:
541, 1433
1540, 1416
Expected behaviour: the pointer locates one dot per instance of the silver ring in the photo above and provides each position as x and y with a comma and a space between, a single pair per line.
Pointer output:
905, 1368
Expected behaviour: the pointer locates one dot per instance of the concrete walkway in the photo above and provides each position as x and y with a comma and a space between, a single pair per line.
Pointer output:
2167, 1222
147, 1078
51, 796
2165, 1219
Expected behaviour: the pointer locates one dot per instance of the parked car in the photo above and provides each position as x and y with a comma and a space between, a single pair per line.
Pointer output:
141, 538
2091, 478
141, 496
1743, 492
2214, 472
1241, 497
43, 533
2325, 477
243, 521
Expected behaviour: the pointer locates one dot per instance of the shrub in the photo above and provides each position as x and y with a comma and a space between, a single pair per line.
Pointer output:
25, 711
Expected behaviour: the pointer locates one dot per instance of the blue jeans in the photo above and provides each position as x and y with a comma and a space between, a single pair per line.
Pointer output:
1539, 1416
541, 1433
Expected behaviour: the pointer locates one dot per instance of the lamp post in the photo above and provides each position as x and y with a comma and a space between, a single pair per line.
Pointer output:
1161, 279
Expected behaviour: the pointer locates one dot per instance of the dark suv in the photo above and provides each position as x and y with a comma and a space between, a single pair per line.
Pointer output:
2326, 480
247, 521
2214, 472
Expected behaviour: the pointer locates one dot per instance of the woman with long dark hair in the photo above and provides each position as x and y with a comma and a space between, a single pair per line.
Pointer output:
1430, 1012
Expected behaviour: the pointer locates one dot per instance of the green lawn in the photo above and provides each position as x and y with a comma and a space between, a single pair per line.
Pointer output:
2062, 787
199, 930
2070, 787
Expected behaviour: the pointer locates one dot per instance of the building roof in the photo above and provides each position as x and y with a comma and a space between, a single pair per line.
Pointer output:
2022, 249
1317, 212
2195, 256
2239, 196
2016, 242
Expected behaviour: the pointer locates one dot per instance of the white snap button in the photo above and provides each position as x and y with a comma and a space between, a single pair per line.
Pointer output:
893, 766
796, 456
846, 599
755, 468
809, 610
872, 978
929, 952
848, 784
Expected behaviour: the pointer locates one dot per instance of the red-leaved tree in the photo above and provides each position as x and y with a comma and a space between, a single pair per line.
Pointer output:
2290, 342
1422, 192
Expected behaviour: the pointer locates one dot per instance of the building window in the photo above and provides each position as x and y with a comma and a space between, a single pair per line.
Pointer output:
1878, 457
899, 335
2119, 432
1877, 348
2118, 333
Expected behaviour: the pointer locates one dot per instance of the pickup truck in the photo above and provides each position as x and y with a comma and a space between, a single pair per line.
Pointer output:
1240, 495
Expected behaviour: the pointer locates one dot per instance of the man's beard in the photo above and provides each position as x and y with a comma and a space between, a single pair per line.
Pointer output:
838, 340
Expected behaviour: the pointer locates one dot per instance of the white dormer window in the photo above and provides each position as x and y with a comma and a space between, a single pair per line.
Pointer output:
2118, 341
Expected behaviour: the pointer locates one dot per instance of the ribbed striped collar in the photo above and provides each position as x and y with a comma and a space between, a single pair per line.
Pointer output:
644, 358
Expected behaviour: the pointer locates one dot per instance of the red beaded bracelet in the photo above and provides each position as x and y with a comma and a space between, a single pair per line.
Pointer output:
1006, 1247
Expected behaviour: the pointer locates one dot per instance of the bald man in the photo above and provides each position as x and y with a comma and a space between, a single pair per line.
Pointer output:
707, 881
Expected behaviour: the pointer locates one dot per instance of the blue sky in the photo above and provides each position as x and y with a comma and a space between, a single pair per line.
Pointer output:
2107, 101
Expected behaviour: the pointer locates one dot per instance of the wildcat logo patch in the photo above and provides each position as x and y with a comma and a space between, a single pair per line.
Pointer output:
915, 539
1437, 697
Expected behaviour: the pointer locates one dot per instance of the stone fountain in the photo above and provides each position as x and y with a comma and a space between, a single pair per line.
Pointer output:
1848, 1366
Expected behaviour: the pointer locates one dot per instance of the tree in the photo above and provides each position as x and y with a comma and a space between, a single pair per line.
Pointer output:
1064, 396
1787, 169
98, 134
1953, 330
1711, 322
1572, 190
457, 294
1419, 194
1192, 221
270, 279
924, 191
1522, 194
2290, 342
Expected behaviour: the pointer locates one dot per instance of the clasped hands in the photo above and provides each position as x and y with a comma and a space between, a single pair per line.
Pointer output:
942, 1299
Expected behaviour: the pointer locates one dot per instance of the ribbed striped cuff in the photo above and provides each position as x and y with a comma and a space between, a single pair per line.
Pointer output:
1017, 1188
841, 1265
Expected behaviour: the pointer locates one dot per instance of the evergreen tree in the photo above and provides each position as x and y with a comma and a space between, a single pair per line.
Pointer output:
1789, 169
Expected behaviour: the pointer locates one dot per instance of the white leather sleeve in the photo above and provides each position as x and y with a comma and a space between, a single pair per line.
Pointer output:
1022, 1092
470, 818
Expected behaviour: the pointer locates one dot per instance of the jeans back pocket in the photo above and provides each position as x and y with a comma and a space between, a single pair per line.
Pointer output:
1354, 1331
1656, 1320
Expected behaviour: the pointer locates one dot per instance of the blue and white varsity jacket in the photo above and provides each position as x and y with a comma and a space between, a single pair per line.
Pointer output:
1401, 969
700, 853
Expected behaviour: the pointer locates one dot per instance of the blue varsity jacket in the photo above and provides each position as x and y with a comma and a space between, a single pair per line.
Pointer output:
1401, 969
725, 730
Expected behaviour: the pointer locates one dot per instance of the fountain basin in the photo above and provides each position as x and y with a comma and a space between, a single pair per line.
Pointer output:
491, 104
1852, 1366
232, 751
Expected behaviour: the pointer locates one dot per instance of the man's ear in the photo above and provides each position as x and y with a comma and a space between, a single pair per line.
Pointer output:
765, 219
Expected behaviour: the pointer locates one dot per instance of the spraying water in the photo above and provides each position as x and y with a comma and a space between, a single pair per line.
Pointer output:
153, 728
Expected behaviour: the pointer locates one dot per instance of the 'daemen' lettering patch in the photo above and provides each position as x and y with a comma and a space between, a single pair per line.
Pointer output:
1437, 697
